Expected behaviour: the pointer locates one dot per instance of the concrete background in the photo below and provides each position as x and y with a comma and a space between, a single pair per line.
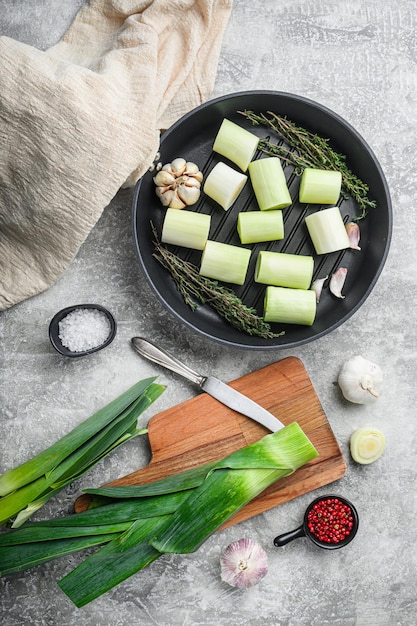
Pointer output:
359, 59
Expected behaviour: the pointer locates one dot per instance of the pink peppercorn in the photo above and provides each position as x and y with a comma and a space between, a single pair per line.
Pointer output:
330, 520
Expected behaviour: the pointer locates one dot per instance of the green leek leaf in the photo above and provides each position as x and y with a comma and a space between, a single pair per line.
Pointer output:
115, 562
42, 534
17, 558
114, 513
189, 479
27, 487
49, 458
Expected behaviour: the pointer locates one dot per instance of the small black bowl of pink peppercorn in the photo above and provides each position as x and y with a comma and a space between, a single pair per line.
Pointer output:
82, 329
330, 522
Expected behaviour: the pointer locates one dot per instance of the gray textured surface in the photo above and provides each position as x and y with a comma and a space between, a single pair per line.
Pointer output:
359, 59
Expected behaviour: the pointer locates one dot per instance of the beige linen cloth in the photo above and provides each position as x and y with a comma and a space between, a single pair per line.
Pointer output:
83, 118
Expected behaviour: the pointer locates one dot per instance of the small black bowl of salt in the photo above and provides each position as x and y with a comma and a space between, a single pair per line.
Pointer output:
82, 329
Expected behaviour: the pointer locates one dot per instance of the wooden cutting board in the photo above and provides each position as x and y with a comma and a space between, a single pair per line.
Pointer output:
202, 429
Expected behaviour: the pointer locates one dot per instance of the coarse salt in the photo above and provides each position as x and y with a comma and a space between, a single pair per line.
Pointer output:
83, 329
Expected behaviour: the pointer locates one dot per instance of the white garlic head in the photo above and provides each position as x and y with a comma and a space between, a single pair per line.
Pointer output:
243, 563
360, 380
178, 183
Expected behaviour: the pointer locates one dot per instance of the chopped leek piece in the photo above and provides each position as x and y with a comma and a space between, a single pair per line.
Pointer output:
269, 183
186, 228
236, 144
284, 270
320, 186
290, 306
225, 262
224, 184
327, 230
367, 445
258, 226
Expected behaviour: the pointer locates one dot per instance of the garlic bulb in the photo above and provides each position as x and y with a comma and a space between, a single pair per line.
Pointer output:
360, 380
178, 183
243, 563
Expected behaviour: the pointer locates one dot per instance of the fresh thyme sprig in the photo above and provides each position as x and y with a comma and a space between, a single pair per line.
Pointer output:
310, 150
194, 287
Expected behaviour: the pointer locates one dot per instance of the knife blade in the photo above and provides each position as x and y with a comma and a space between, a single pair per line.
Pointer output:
209, 384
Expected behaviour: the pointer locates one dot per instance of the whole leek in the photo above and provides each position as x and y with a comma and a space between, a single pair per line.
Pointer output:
175, 514
26, 488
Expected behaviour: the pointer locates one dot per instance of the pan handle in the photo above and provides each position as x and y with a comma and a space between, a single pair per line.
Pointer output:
285, 538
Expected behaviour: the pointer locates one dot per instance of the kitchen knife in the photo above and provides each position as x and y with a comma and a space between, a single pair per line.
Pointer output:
211, 385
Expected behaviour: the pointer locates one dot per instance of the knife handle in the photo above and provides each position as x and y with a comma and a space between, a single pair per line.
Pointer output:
151, 352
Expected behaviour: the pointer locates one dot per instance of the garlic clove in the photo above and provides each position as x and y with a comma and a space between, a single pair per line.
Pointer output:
190, 181
337, 282
354, 235
178, 166
243, 563
165, 194
191, 168
360, 380
193, 171
163, 179
317, 286
176, 202
188, 195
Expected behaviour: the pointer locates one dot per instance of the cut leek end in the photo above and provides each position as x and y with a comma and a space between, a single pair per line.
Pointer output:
320, 186
327, 230
186, 228
224, 184
236, 144
290, 306
222, 261
367, 445
272, 206
258, 227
